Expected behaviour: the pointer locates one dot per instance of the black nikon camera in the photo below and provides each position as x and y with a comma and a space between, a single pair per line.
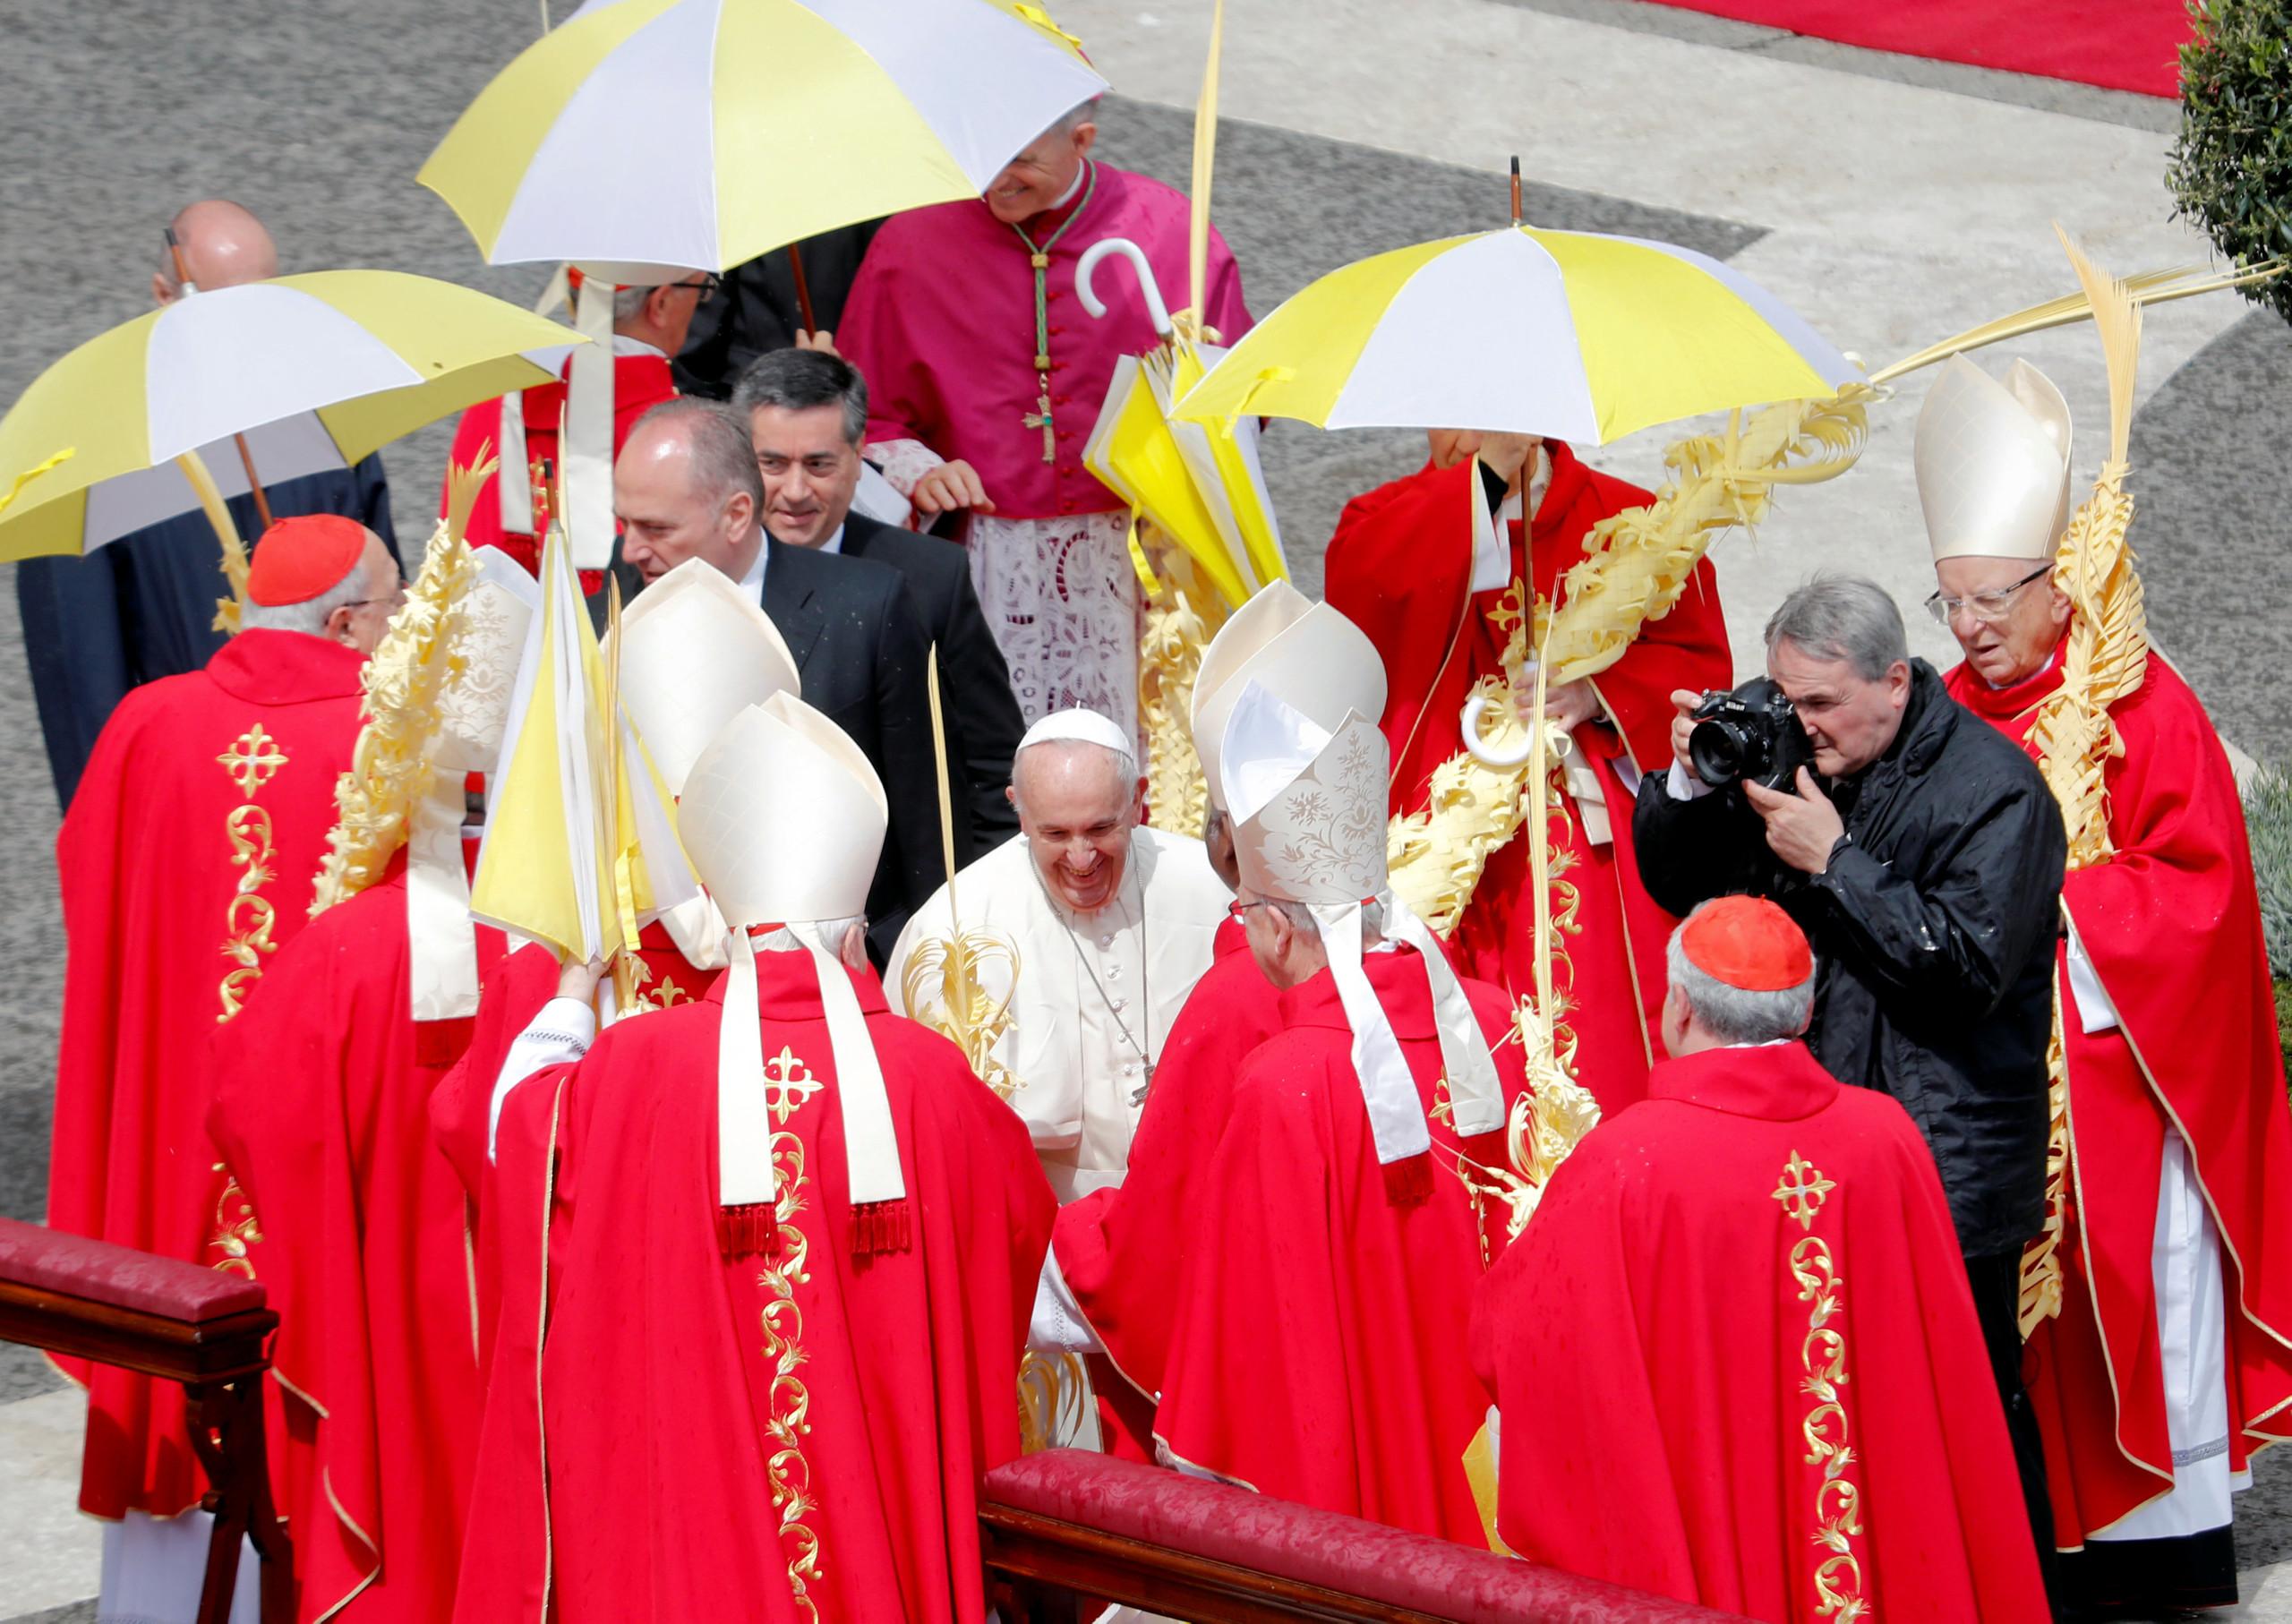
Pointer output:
1751, 734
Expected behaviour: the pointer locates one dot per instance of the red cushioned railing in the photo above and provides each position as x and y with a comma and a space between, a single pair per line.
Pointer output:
1188, 1549
174, 1322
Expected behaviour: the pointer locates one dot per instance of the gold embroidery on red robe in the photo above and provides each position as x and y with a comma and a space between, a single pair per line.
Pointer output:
252, 761
786, 1468
1838, 1498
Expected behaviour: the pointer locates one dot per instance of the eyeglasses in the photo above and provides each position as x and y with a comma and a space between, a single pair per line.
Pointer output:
1989, 607
1239, 910
706, 287
396, 600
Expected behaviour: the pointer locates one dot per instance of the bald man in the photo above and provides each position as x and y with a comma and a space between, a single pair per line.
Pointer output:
142, 607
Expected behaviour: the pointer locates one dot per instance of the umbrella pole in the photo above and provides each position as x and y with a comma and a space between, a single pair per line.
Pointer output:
246, 457
1515, 189
254, 483
803, 287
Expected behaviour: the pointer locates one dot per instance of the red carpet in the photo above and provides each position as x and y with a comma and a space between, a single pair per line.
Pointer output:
2120, 45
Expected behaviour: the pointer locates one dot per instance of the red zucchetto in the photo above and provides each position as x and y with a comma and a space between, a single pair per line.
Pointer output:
1749, 943
297, 558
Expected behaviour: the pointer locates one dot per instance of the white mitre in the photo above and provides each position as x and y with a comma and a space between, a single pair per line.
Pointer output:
783, 819
695, 652
1305, 654
1309, 826
1993, 463
487, 636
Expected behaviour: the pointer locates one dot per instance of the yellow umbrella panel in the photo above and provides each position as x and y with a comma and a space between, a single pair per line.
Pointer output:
374, 354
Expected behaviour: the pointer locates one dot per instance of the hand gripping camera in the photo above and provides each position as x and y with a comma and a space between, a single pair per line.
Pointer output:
1751, 734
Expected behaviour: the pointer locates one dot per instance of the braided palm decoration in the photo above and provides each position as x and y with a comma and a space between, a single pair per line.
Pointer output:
390, 770
1636, 564
2105, 658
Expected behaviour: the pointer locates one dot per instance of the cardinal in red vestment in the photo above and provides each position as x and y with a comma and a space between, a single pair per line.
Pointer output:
2170, 1361
186, 860
985, 376
1327, 1264
782, 1209
322, 1108
1107, 1289
1734, 1354
649, 327
1422, 566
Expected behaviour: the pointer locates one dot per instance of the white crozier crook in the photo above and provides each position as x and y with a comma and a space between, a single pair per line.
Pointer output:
1150, 290
1502, 760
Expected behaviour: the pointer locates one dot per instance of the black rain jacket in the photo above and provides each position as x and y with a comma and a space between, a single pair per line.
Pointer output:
1935, 930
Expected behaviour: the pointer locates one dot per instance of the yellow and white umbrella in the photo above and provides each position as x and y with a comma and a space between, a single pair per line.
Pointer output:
1569, 334
328, 365
705, 133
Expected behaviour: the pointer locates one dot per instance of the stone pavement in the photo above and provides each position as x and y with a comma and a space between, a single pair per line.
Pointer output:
1894, 201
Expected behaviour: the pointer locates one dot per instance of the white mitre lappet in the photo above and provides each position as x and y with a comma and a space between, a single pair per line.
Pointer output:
1309, 826
782, 818
1305, 653
1993, 463
695, 652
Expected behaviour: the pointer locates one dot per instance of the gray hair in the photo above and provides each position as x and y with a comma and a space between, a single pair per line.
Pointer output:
1301, 917
799, 380
312, 614
1734, 1014
1081, 113
830, 933
723, 456
628, 303
1842, 616
1125, 765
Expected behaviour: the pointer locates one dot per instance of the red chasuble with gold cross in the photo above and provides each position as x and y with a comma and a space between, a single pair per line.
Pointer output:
2171, 924
322, 1091
791, 1437
1737, 1362
186, 860
1400, 567
1317, 1343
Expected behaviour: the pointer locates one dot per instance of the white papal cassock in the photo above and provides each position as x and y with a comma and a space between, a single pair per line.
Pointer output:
1093, 995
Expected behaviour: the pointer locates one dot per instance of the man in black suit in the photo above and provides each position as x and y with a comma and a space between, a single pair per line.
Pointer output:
686, 486
806, 411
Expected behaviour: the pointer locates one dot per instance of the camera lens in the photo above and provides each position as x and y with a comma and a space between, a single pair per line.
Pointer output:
1718, 747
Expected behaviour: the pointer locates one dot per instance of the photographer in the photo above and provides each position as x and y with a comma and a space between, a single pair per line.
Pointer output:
1925, 865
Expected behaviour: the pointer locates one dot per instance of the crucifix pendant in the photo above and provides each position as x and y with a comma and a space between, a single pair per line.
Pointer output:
1138, 1094
1040, 418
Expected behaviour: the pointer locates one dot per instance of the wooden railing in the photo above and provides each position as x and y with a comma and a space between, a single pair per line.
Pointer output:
177, 1322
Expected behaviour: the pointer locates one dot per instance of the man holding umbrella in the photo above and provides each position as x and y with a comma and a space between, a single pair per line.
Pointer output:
140, 609
1516, 512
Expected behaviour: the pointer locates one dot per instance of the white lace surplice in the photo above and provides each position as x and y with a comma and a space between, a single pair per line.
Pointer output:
1062, 598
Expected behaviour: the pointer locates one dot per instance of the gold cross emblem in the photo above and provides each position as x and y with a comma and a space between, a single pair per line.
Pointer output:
788, 1083
1802, 1190
253, 759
